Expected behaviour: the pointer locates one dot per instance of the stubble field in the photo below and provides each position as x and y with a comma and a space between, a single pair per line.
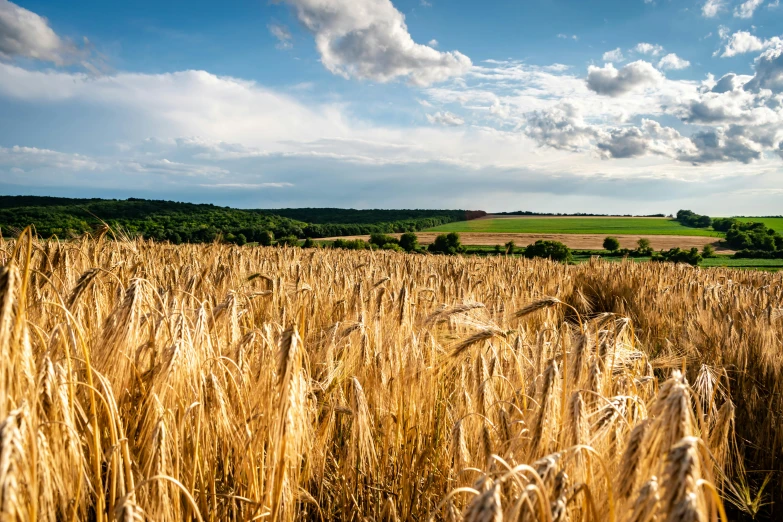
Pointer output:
210, 382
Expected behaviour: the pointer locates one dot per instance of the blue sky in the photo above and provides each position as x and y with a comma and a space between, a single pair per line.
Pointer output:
629, 106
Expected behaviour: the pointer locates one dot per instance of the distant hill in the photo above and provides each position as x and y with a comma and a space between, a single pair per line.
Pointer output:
195, 223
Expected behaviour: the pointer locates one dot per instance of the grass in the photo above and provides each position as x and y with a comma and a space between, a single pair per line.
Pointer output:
147, 381
576, 225
773, 223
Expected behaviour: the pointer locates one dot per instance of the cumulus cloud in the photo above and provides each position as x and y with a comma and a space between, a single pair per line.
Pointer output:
609, 81
27, 35
560, 127
711, 8
743, 42
445, 118
672, 61
769, 71
282, 34
746, 9
368, 39
615, 55
648, 48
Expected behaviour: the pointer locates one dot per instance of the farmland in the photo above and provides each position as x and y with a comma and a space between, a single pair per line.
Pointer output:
218, 382
576, 225
775, 223
575, 241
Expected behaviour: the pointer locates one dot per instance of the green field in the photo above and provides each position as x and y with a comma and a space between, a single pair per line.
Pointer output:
773, 223
577, 225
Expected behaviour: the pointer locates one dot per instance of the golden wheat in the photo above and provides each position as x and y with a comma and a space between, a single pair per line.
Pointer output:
147, 381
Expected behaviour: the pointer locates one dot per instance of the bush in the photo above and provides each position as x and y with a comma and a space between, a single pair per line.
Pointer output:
708, 251
447, 244
409, 242
265, 238
553, 250
723, 224
758, 254
309, 243
382, 239
292, 241
351, 244
677, 255
392, 246
510, 247
753, 236
691, 219
611, 244
643, 247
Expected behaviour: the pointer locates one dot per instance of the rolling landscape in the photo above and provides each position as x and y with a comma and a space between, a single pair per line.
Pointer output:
391, 261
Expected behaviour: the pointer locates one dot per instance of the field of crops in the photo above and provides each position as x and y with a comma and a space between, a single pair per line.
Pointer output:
577, 225
146, 381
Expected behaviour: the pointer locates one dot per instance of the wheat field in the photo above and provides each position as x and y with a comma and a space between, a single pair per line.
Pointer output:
147, 381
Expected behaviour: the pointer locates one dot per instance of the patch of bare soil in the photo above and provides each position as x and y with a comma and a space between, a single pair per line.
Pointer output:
574, 241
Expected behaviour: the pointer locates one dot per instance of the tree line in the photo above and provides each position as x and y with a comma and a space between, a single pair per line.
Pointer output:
749, 238
202, 223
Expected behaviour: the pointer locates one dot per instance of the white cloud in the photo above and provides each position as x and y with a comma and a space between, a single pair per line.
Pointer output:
773, 5
368, 39
769, 73
445, 118
271, 184
282, 34
28, 35
433, 43
609, 81
560, 127
672, 61
567, 37
711, 8
615, 55
648, 48
743, 42
746, 9
32, 157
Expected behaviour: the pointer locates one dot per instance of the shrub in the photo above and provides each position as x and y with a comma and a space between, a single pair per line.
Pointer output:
691, 219
382, 239
409, 242
350, 244
265, 238
643, 247
708, 251
447, 244
723, 224
309, 243
510, 246
611, 244
677, 255
292, 241
553, 250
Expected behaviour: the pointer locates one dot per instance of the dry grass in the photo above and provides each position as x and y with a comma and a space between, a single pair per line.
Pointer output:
207, 382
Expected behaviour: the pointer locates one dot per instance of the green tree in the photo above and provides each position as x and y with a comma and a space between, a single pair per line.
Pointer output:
510, 246
553, 250
265, 238
409, 242
611, 244
643, 247
708, 251
240, 239
447, 244
308, 243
